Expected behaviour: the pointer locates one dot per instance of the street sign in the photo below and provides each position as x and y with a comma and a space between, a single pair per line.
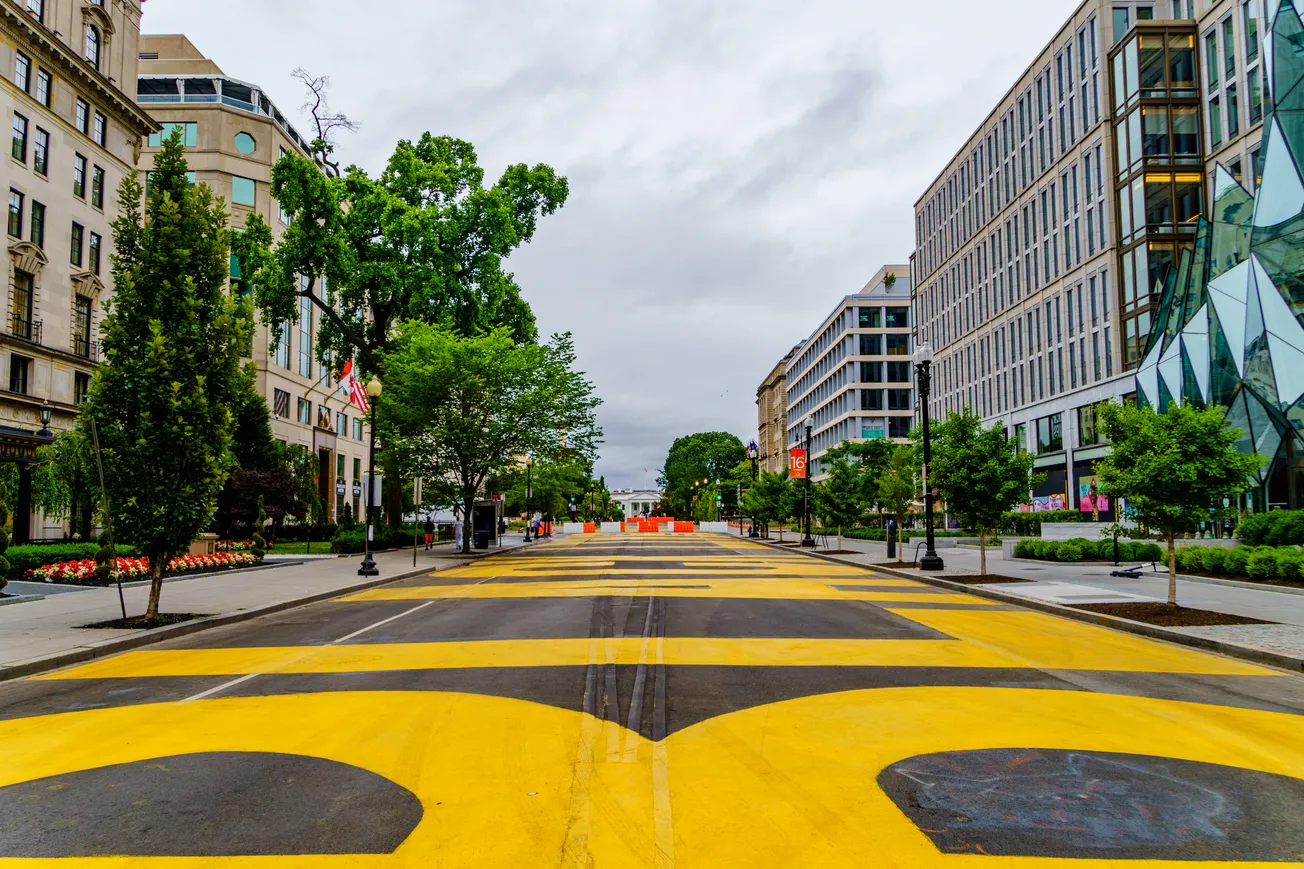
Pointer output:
797, 464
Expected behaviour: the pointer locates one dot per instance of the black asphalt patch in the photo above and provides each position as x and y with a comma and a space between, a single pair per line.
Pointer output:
211, 804
1083, 804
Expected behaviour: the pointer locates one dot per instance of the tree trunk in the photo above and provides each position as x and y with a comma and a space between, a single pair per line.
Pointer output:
982, 553
839, 538
1172, 571
780, 532
468, 505
156, 564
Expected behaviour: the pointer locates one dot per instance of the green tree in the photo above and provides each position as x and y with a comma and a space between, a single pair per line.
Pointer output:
870, 459
840, 500
424, 241
310, 508
1174, 469
259, 548
696, 457
65, 484
458, 410
980, 474
770, 499
173, 337
898, 487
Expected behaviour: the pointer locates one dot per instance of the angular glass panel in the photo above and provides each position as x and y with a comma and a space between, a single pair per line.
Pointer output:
1130, 64
1282, 193
1233, 213
1139, 204
1159, 202
1224, 374
1120, 86
1155, 131
1134, 139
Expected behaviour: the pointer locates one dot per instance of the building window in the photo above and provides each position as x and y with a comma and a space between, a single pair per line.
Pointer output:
305, 411
82, 118
100, 134
871, 399
1215, 123
870, 318
78, 244
44, 87
898, 372
871, 345
900, 399
1145, 13
20, 319
41, 152
92, 53
81, 326
20, 138
189, 134
1233, 112
37, 8
280, 403
1211, 65
357, 428
245, 144
79, 176
95, 252
81, 387
38, 225
18, 366
341, 424
305, 337
871, 372
1089, 433
898, 345
898, 318
1256, 96
898, 426
282, 339
22, 70
97, 188
1120, 22
1050, 435
15, 214
242, 190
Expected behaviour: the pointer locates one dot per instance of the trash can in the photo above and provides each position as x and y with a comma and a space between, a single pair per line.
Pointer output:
482, 540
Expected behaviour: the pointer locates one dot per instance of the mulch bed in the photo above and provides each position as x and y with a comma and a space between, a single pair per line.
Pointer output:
838, 552
898, 564
136, 623
974, 579
1165, 615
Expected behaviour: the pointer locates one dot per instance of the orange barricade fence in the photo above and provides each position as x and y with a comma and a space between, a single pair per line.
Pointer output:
684, 528
590, 528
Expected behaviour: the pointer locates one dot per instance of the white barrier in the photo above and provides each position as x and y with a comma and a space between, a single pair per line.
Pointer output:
610, 528
713, 527
572, 528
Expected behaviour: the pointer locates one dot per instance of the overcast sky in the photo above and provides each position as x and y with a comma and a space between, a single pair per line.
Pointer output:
735, 166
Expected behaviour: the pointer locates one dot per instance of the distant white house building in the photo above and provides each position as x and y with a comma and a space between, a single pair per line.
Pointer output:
637, 502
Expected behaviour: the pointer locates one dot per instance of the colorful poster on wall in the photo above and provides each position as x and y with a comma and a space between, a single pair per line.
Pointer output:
797, 464
1089, 490
1045, 503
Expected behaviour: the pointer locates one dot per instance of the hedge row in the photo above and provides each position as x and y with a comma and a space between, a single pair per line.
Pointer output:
1081, 549
1278, 528
1029, 524
30, 557
1256, 562
355, 540
880, 534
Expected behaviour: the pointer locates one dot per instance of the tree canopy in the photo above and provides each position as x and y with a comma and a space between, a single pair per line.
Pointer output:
424, 241
457, 410
840, 500
173, 338
707, 456
980, 474
1174, 469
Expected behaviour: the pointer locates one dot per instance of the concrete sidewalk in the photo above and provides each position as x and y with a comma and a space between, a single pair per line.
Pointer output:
1068, 584
41, 634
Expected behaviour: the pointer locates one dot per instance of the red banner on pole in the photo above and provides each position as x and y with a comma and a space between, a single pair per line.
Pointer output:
797, 464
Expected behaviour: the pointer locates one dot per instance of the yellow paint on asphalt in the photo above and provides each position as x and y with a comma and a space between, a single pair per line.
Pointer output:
736, 589
789, 784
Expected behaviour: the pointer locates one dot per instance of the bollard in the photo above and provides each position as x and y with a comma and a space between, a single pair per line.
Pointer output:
891, 540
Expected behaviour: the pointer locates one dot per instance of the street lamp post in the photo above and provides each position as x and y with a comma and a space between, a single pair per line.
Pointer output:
529, 514
753, 451
368, 567
808, 541
923, 380
47, 413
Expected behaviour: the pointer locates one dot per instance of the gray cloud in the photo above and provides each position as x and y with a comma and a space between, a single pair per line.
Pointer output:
735, 166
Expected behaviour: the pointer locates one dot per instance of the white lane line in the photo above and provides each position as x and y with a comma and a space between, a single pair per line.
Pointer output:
245, 678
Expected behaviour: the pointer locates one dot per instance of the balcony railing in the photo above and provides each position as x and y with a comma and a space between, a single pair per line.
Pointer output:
85, 348
28, 330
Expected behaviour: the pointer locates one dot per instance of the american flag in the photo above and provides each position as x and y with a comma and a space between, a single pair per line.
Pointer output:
357, 392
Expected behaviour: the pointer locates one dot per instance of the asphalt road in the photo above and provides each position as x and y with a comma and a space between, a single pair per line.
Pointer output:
654, 702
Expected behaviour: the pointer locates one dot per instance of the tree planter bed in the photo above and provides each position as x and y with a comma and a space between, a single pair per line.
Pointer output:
987, 579
1166, 615
138, 623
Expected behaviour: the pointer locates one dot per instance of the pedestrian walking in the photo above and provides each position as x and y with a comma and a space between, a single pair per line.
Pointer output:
430, 531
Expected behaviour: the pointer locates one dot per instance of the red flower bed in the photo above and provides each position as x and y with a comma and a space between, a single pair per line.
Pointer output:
136, 568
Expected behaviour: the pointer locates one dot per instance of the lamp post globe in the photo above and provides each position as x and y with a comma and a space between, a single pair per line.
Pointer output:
368, 567
930, 561
47, 413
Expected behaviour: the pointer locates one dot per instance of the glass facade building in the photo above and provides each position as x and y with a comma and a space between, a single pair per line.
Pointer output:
1227, 328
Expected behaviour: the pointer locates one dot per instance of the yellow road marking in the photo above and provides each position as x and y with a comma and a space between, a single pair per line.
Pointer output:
772, 589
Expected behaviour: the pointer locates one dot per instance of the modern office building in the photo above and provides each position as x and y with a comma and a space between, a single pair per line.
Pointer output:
234, 134
772, 418
1042, 246
68, 72
853, 378
1227, 329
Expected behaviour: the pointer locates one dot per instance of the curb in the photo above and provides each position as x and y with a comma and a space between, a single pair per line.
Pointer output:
21, 598
157, 635
1153, 632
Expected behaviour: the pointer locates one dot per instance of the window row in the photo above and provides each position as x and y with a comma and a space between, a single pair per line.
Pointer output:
337, 421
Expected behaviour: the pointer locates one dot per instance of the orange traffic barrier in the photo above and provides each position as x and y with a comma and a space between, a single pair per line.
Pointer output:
684, 528
590, 528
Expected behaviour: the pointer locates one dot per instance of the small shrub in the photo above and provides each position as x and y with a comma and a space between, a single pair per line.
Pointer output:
1069, 552
1043, 549
1029, 524
1290, 565
1263, 564
1236, 560
1214, 560
1024, 549
1190, 559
